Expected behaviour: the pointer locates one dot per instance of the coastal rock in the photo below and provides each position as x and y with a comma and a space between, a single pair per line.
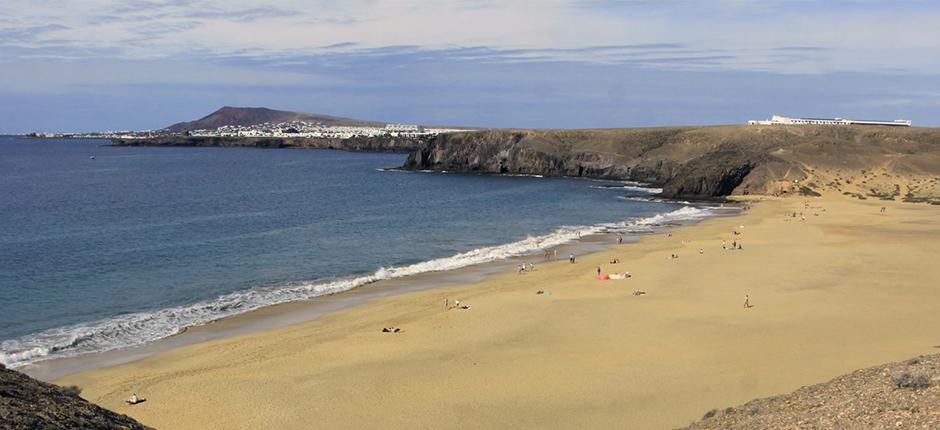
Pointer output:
896, 395
687, 162
703, 162
26, 403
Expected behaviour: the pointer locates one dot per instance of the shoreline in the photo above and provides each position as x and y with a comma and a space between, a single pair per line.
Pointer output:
280, 315
835, 293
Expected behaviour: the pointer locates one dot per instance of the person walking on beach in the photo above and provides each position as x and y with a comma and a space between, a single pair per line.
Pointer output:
883, 209
620, 240
571, 258
598, 271
747, 301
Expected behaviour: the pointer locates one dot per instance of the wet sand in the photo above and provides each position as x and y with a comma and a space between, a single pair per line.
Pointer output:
844, 289
285, 314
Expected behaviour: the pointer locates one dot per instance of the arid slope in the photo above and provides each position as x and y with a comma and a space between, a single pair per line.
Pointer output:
895, 395
246, 116
709, 161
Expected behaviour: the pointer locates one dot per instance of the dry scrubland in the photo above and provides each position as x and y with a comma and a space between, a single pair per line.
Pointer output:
896, 395
848, 288
900, 163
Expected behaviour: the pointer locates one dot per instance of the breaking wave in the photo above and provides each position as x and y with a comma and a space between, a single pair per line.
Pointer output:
142, 327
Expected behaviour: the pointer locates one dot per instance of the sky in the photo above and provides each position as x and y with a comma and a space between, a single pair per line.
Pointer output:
93, 65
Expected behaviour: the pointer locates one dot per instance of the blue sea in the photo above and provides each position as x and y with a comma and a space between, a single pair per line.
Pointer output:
107, 247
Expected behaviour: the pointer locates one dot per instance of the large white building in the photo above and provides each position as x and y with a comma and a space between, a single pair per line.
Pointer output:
783, 120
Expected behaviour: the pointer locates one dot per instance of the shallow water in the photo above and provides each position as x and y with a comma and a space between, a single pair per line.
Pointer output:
137, 243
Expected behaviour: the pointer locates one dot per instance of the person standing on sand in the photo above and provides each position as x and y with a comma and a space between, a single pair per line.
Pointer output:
598, 271
747, 301
571, 258
620, 240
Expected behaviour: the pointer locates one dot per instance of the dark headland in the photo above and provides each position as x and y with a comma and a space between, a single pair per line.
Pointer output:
686, 161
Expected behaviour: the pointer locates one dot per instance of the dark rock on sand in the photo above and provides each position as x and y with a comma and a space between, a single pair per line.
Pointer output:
26, 403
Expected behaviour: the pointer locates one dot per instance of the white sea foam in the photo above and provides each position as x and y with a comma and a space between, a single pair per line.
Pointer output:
630, 187
654, 199
141, 327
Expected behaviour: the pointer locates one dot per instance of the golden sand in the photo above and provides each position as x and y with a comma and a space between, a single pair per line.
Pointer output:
845, 289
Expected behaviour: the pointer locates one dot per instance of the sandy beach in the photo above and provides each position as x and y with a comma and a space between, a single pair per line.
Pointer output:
846, 288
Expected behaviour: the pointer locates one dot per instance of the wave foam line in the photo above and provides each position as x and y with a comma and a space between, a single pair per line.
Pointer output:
138, 328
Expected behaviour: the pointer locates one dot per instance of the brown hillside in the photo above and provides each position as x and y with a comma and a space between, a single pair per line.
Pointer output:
866, 161
246, 116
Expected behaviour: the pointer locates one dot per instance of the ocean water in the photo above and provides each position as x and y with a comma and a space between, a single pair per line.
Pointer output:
137, 243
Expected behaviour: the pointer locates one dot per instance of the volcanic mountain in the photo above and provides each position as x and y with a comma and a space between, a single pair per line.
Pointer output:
247, 116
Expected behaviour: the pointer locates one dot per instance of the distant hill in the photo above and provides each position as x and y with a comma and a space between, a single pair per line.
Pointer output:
246, 116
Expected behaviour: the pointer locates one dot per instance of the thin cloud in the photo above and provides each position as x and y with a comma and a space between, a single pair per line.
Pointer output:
749, 35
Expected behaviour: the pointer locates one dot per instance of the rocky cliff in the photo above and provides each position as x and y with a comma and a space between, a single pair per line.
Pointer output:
687, 162
365, 144
26, 403
702, 162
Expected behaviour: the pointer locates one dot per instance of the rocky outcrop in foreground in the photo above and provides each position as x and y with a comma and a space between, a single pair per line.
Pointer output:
26, 403
702, 162
897, 395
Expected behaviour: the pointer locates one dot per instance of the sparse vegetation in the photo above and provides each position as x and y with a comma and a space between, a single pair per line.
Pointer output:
915, 381
855, 400
806, 191
73, 390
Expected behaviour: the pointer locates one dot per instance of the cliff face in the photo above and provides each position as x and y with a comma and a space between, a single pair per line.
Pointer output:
695, 162
26, 403
687, 162
365, 144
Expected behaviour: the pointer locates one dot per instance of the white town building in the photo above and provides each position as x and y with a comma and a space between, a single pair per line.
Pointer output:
783, 120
